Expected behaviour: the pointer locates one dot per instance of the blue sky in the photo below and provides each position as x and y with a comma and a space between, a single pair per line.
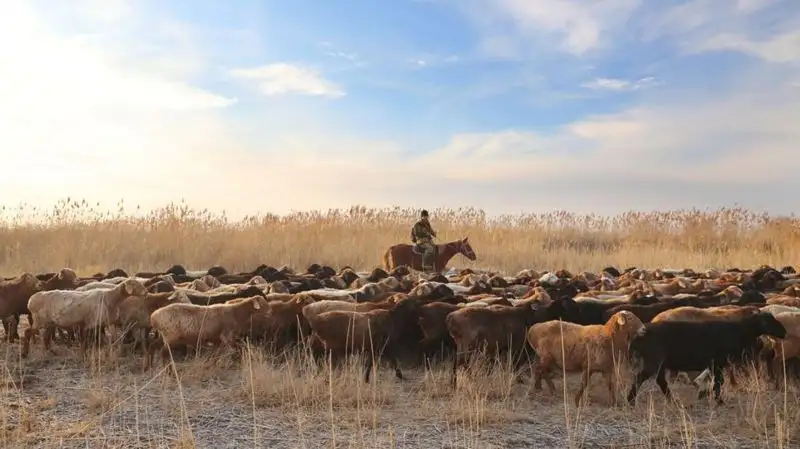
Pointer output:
509, 105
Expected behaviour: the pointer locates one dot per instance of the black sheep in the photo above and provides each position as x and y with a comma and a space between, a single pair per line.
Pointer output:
695, 346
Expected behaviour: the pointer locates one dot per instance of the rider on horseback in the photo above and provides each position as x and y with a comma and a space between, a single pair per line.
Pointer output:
422, 235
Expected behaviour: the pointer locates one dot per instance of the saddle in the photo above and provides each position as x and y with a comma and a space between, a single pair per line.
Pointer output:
417, 250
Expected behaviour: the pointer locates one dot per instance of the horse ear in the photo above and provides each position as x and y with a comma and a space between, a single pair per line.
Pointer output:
465, 239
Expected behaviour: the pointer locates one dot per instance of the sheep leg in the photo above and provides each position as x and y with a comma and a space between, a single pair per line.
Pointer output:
458, 359
148, 356
718, 381
542, 371
641, 376
391, 354
47, 339
10, 327
775, 371
524, 357
367, 367
428, 350
661, 381
165, 349
608, 375
584, 382
26, 341
83, 339
7, 334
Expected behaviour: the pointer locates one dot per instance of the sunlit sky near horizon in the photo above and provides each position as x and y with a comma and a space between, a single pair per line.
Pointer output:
506, 105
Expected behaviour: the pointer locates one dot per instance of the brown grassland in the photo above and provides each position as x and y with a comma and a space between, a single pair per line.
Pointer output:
260, 399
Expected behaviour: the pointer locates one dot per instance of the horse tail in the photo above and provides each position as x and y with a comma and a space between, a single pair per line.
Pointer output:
386, 259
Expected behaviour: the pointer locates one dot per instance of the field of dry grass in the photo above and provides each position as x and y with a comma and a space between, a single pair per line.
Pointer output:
269, 400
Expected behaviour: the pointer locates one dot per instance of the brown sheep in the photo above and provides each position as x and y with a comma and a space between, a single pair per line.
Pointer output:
431, 321
784, 300
286, 324
14, 296
377, 332
688, 313
589, 349
133, 314
784, 348
497, 328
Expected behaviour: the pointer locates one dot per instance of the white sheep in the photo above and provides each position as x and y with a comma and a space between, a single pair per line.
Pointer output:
70, 309
94, 285
191, 325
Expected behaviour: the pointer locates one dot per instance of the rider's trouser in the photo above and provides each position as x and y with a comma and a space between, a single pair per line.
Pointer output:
428, 249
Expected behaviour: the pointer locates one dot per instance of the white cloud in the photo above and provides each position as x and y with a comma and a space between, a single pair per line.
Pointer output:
284, 78
617, 84
781, 48
576, 26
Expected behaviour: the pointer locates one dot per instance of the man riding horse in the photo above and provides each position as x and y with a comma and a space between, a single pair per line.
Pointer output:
422, 235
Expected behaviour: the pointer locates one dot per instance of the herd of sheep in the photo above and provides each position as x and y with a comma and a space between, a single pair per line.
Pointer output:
657, 321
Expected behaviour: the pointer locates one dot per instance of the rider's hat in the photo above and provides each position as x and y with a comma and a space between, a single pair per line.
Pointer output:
424, 213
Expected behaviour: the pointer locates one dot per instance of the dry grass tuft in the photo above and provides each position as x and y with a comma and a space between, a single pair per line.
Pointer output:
258, 398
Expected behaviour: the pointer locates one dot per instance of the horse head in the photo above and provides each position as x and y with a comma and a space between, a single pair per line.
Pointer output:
466, 249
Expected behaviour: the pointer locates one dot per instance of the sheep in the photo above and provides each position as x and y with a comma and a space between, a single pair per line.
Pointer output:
691, 345
134, 313
492, 327
779, 308
432, 322
689, 313
646, 313
65, 279
192, 325
286, 324
590, 349
14, 296
330, 304
95, 285
786, 348
200, 298
378, 331
69, 309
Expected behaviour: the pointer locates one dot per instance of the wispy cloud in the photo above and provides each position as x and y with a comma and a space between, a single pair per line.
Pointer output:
284, 78
618, 85
782, 48
575, 27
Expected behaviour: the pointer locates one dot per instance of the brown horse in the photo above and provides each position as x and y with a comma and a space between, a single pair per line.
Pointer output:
405, 254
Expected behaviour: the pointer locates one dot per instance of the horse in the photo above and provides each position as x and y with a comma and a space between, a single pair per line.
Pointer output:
409, 255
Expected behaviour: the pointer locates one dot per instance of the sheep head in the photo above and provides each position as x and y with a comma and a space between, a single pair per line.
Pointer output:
66, 274
29, 280
132, 287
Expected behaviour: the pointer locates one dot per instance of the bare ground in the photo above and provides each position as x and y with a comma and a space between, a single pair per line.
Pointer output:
260, 401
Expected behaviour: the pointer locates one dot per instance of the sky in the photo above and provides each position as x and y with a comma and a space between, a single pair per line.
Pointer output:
259, 106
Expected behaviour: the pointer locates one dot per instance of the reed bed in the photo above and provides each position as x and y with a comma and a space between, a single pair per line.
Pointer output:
75, 234
264, 399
